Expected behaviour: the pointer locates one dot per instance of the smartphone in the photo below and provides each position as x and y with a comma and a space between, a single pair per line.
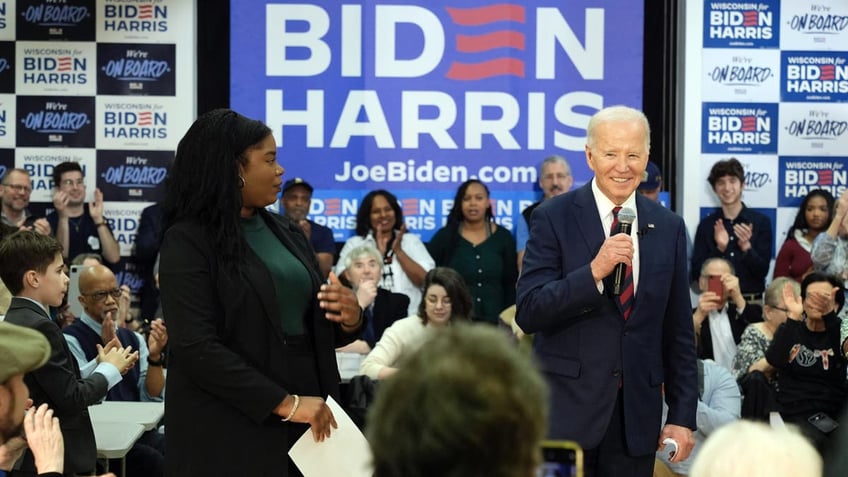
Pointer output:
823, 422
561, 459
73, 290
714, 285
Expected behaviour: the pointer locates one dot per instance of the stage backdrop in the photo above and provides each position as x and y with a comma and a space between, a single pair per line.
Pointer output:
417, 96
766, 82
106, 83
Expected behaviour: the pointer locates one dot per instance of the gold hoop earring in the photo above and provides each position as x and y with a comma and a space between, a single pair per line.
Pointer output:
240, 182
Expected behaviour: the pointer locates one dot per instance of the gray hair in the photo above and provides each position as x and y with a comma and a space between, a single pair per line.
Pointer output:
774, 292
555, 159
365, 249
745, 448
617, 114
5, 178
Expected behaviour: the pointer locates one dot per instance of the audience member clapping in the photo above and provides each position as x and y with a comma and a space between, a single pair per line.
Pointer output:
379, 221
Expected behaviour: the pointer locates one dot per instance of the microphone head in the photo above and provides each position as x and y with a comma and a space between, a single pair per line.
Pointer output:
626, 216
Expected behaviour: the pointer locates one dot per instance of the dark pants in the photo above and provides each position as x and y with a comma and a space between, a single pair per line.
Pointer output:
146, 458
758, 396
611, 458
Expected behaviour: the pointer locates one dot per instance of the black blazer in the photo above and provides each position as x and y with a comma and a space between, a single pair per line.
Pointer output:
58, 384
388, 308
738, 323
228, 362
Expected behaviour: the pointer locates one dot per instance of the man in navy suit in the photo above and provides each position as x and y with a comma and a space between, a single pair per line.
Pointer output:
606, 356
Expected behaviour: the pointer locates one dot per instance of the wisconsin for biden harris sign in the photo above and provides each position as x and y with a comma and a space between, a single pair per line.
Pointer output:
417, 96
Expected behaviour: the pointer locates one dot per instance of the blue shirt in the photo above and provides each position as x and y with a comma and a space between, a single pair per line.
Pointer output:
87, 367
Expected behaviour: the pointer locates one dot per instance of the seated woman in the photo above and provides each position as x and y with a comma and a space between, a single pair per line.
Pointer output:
808, 357
813, 217
382, 307
446, 299
750, 367
379, 221
480, 250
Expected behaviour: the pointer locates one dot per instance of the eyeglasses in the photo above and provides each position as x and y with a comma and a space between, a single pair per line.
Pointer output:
101, 295
19, 188
71, 183
785, 310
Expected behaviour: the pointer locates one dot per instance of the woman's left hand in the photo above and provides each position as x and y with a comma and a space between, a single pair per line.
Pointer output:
339, 303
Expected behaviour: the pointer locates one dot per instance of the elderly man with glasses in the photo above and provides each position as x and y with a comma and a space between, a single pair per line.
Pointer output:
15, 190
99, 295
78, 226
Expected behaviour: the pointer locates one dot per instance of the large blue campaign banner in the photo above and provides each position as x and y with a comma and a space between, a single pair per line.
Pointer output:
417, 96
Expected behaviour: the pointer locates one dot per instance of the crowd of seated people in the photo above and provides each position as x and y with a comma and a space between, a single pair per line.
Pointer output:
784, 343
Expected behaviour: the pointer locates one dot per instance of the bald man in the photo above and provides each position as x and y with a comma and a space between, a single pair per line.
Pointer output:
99, 295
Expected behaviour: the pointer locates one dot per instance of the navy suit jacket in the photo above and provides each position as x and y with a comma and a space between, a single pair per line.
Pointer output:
585, 347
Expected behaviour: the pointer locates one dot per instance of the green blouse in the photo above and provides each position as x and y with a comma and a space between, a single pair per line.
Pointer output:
489, 268
292, 284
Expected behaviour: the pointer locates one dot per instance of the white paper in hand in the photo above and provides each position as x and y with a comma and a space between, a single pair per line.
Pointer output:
345, 453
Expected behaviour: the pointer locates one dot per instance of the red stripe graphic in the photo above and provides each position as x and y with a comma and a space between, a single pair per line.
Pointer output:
749, 123
826, 177
145, 118
410, 206
828, 73
487, 69
490, 41
483, 15
750, 18
64, 63
145, 12
332, 206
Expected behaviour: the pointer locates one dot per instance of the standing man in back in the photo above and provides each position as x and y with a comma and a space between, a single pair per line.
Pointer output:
606, 356
297, 196
80, 228
554, 179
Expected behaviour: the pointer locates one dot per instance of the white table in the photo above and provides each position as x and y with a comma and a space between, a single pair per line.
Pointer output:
148, 414
348, 365
115, 439
118, 424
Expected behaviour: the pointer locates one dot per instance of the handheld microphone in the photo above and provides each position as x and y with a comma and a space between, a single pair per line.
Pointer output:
626, 217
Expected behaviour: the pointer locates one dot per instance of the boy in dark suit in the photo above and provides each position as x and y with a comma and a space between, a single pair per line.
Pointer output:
33, 270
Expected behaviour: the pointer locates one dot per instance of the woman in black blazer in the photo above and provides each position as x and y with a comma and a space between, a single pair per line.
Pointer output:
252, 329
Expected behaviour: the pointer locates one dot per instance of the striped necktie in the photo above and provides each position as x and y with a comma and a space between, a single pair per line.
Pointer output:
625, 300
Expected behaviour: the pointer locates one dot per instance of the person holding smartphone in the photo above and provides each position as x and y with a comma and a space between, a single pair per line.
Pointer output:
722, 313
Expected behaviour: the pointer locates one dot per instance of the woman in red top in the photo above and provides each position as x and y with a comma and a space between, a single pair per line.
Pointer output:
814, 216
